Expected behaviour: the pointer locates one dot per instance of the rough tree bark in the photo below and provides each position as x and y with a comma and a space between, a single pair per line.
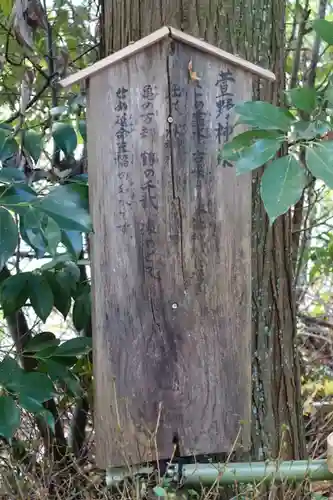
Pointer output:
255, 30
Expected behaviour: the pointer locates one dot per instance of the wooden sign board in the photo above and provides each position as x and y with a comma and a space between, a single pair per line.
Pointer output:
171, 261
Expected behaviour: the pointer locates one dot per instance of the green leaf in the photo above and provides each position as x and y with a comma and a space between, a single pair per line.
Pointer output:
82, 310
281, 186
232, 150
58, 110
10, 175
309, 130
31, 232
10, 371
17, 196
324, 29
8, 236
61, 294
82, 126
257, 154
32, 143
64, 137
74, 347
37, 386
263, 115
68, 206
30, 404
52, 234
9, 417
14, 293
159, 491
41, 296
8, 153
72, 240
303, 98
41, 341
49, 419
319, 160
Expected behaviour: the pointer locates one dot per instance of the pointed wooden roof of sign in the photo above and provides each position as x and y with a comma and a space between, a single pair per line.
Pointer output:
155, 37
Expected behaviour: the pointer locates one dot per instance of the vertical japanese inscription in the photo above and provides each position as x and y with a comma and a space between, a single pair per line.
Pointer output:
124, 157
149, 160
224, 104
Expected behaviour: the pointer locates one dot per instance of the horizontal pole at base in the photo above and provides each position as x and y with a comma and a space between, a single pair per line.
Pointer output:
208, 474
298, 470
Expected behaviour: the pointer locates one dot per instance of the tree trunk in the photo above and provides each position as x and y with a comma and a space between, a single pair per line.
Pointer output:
254, 30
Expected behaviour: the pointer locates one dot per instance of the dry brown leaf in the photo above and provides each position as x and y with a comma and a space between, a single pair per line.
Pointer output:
35, 15
26, 89
22, 30
192, 74
61, 62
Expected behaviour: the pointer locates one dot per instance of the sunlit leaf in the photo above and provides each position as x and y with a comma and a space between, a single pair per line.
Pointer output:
232, 150
263, 115
303, 98
68, 206
257, 154
281, 185
319, 160
324, 29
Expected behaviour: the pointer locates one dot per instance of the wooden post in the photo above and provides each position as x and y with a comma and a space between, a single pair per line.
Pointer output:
171, 262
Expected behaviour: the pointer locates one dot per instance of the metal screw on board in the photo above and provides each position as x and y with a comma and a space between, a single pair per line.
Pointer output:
174, 305
170, 119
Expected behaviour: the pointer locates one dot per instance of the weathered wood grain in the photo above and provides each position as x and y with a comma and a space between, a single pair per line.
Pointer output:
171, 258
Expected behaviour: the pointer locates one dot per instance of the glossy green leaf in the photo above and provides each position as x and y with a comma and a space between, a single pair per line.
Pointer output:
281, 186
324, 29
32, 143
309, 130
41, 296
82, 310
303, 98
319, 160
64, 137
10, 371
8, 236
17, 197
256, 155
31, 230
41, 341
72, 240
61, 293
9, 151
263, 115
160, 492
10, 175
14, 292
3, 137
82, 126
232, 150
30, 404
52, 235
74, 347
68, 206
69, 275
37, 386
9, 417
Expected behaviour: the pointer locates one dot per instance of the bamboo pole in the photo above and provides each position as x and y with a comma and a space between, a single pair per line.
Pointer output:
194, 475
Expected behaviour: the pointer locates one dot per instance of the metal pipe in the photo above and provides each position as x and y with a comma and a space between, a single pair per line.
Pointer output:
194, 475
